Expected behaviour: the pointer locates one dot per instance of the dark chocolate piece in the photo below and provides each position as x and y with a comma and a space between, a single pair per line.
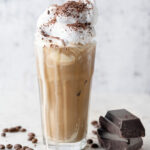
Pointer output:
123, 123
113, 144
94, 145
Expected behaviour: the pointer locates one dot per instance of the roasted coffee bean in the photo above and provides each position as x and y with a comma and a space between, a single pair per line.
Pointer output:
19, 127
2, 146
94, 123
29, 149
24, 147
34, 140
89, 141
31, 134
5, 130
94, 145
9, 146
30, 138
17, 146
94, 132
23, 130
13, 129
3, 134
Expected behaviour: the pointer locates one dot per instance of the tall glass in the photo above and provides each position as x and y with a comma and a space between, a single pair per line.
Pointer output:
65, 76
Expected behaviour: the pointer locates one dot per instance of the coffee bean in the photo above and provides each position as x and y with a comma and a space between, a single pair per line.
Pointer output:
94, 132
19, 127
31, 134
3, 134
24, 147
9, 146
94, 123
23, 130
34, 140
2, 146
5, 130
29, 149
13, 129
94, 145
30, 138
89, 141
17, 146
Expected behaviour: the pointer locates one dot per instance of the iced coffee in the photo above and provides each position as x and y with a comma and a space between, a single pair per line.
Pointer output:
65, 53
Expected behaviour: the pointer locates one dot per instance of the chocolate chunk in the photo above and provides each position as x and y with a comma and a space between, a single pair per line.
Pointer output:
9, 146
94, 145
89, 141
3, 134
2, 146
114, 143
17, 146
122, 123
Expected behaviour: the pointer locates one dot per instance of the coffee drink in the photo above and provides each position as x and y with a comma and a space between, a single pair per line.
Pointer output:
65, 54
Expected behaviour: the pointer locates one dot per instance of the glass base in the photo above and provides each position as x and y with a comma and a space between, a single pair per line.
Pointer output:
66, 146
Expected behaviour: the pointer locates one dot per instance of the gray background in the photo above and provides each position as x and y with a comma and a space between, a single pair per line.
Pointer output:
123, 50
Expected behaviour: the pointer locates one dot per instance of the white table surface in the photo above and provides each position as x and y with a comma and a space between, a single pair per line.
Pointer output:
23, 109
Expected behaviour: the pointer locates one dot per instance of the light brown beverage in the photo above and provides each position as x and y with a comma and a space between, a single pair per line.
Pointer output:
65, 75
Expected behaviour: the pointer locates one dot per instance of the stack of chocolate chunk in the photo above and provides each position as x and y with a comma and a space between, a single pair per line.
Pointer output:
120, 130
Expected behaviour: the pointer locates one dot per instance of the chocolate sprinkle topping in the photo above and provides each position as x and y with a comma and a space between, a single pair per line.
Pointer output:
44, 34
69, 7
77, 25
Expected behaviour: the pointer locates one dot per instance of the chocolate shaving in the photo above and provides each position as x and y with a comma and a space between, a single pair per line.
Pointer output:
53, 37
44, 34
78, 25
69, 7
53, 21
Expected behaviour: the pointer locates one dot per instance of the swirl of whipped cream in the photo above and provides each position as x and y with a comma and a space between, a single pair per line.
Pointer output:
70, 23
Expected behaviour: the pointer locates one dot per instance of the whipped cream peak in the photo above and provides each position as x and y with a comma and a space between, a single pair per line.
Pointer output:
70, 23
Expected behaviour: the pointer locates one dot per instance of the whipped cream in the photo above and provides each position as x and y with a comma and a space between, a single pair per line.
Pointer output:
70, 23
